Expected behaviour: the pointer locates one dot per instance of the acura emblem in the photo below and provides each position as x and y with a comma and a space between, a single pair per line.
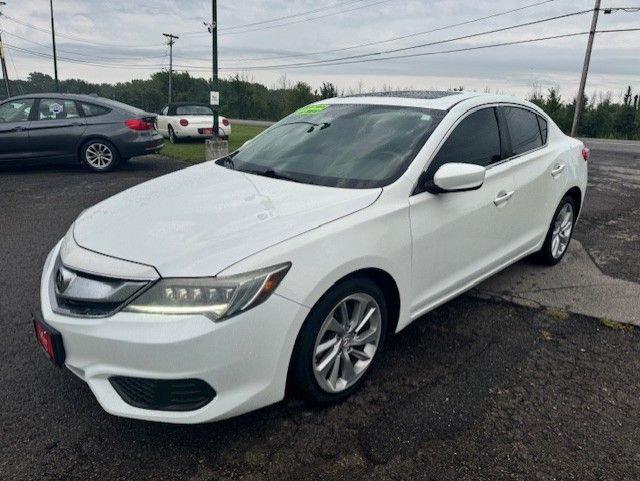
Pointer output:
63, 279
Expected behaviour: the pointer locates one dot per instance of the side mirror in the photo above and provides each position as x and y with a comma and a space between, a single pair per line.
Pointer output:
457, 177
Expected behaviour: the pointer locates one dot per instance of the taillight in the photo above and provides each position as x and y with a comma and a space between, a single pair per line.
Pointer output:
225, 122
138, 124
585, 153
184, 122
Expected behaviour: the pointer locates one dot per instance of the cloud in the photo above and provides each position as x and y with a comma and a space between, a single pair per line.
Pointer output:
129, 32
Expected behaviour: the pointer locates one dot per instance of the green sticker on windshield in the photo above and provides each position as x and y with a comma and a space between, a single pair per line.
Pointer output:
312, 109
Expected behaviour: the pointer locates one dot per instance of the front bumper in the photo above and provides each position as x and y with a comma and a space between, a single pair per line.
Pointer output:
245, 359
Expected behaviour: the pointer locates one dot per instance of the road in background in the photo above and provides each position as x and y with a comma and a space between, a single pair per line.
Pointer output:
475, 390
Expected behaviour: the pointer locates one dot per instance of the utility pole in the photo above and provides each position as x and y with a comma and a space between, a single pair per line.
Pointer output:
585, 70
3, 61
213, 30
55, 56
171, 39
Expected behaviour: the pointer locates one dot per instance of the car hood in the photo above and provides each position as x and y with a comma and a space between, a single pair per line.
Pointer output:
200, 220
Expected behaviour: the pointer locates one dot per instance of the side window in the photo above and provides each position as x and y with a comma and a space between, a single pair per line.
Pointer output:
544, 129
15, 111
93, 110
57, 109
523, 128
476, 140
165, 110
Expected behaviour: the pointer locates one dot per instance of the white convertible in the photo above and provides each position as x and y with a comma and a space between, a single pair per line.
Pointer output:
204, 293
189, 120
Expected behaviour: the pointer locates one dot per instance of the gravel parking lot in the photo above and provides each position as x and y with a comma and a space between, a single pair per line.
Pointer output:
474, 390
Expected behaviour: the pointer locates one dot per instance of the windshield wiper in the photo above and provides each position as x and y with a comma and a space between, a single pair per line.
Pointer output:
272, 174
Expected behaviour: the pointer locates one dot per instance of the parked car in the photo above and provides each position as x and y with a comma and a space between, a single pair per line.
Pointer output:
290, 261
98, 132
189, 120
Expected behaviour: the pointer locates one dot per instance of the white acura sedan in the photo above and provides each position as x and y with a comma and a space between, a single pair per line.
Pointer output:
205, 293
189, 120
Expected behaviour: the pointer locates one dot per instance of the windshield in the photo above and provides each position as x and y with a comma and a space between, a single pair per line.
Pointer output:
353, 146
194, 110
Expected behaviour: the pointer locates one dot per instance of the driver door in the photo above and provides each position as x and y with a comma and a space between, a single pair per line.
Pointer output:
459, 237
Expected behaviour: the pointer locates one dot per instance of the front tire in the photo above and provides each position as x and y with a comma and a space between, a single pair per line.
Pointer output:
173, 138
99, 155
560, 232
340, 341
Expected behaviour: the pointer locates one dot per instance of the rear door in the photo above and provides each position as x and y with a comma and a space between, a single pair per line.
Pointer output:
536, 169
56, 129
14, 125
461, 236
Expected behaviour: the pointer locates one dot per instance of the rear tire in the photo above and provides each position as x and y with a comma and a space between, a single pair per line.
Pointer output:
99, 155
560, 232
354, 342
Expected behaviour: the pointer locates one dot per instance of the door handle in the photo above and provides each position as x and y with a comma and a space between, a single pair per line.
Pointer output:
18, 129
503, 197
557, 170
77, 124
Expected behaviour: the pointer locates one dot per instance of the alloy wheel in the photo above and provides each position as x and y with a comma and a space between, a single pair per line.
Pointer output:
347, 342
562, 228
99, 156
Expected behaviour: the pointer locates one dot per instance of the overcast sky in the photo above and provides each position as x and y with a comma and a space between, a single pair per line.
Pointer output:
125, 38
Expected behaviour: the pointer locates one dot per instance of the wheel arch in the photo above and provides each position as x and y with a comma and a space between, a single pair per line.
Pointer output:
576, 194
383, 280
90, 138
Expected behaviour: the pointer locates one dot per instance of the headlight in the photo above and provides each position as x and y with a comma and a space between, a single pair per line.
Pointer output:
215, 297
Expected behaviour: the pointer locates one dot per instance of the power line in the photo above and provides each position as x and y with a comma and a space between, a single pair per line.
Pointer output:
429, 44
366, 60
342, 4
402, 37
81, 54
267, 27
465, 49
74, 38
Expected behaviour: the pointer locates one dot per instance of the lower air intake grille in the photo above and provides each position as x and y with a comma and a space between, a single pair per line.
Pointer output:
163, 395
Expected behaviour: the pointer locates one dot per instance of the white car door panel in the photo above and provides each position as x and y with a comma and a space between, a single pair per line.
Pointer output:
460, 236
537, 171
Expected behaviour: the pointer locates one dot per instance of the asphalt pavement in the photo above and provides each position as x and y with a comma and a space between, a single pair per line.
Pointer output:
475, 390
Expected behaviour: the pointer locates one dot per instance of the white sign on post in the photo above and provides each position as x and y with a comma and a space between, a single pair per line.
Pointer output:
215, 98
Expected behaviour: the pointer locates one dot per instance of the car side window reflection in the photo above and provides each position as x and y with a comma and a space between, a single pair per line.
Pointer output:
57, 109
15, 111
476, 140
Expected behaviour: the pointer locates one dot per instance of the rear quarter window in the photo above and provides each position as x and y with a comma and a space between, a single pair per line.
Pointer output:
544, 129
93, 110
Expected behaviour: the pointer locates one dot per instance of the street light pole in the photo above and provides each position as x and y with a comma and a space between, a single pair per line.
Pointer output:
55, 56
585, 69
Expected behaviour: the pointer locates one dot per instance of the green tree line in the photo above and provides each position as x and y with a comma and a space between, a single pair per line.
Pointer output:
239, 97
242, 98
600, 119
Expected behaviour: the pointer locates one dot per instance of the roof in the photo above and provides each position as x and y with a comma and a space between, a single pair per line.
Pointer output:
412, 94
48, 95
434, 99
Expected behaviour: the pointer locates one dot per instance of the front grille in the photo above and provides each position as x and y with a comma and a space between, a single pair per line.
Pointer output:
163, 395
80, 294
